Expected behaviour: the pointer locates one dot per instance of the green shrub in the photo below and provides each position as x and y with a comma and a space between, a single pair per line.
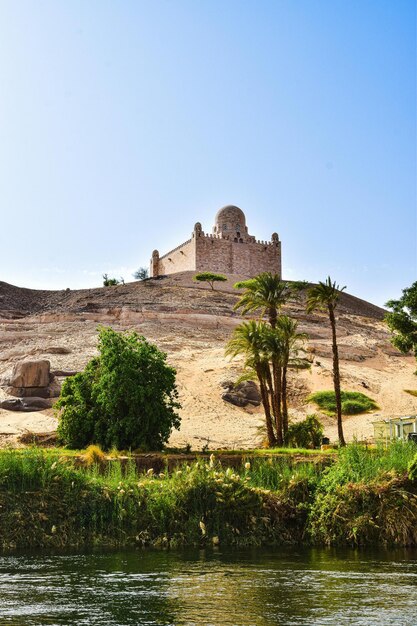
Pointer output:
305, 434
353, 402
412, 469
382, 512
126, 398
109, 282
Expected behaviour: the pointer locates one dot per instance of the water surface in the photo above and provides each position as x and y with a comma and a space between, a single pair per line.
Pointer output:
210, 588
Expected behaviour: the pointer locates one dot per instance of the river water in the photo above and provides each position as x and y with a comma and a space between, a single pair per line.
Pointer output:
210, 588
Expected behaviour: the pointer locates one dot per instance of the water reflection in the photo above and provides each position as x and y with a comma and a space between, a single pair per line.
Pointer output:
216, 588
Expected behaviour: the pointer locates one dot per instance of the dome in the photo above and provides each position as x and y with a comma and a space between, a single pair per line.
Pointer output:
230, 213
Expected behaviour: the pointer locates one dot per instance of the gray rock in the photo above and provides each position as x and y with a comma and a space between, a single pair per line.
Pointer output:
32, 374
242, 394
235, 399
25, 404
249, 390
27, 392
64, 373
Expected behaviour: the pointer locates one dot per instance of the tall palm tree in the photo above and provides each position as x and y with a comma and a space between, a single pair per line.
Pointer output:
265, 293
274, 352
325, 296
292, 342
249, 340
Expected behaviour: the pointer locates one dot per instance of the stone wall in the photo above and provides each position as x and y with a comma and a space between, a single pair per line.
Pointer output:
180, 259
248, 259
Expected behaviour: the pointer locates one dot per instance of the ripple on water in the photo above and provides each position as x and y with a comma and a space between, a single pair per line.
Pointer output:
222, 588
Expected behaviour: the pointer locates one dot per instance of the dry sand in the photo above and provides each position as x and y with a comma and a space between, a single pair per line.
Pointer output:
192, 325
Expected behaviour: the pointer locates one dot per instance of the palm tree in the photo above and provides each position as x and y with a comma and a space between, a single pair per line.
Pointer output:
274, 352
291, 342
325, 296
249, 340
266, 293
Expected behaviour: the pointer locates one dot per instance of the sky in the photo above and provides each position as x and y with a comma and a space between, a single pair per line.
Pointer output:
122, 123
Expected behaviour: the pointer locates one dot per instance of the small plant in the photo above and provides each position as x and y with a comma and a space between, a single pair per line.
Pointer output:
141, 274
94, 455
109, 282
305, 434
353, 402
412, 392
210, 278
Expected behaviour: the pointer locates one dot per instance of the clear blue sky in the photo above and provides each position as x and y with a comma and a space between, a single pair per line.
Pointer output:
122, 123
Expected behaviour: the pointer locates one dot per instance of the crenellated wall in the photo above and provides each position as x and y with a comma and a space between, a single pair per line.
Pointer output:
248, 259
227, 251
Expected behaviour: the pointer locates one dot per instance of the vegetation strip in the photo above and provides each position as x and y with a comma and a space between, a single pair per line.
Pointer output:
367, 496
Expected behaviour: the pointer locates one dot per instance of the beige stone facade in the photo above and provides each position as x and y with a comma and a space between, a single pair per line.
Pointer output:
229, 249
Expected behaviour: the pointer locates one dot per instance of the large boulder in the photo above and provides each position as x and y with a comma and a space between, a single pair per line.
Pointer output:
31, 374
32, 378
242, 394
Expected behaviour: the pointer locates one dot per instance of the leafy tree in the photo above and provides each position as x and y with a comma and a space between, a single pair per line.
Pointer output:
141, 274
125, 398
325, 296
402, 320
109, 282
210, 278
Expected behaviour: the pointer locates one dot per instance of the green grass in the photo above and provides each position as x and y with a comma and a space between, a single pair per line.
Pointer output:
52, 500
353, 402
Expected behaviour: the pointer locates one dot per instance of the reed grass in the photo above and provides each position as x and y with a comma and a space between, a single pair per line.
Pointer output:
54, 500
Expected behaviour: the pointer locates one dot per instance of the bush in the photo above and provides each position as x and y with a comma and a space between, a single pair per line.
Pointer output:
109, 282
125, 398
353, 402
305, 434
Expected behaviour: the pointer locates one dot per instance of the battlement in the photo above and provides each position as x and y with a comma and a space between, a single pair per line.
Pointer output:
229, 249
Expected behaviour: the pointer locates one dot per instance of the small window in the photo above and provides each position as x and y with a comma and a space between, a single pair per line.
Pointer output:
224, 227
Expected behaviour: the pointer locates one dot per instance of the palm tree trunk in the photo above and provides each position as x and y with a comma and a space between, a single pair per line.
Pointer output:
272, 316
336, 377
277, 397
267, 408
284, 402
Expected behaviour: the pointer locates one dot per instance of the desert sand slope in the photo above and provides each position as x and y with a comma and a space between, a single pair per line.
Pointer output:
192, 324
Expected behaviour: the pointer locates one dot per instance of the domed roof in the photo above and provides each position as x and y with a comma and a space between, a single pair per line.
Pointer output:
230, 211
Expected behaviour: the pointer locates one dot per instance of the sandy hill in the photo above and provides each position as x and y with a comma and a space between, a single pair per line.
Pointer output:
192, 324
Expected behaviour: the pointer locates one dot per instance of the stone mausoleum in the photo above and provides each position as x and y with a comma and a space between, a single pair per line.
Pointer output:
229, 249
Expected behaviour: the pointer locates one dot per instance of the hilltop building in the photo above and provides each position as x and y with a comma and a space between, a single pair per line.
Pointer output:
229, 249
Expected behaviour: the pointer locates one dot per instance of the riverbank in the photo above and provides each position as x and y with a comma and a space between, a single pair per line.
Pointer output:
364, 497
